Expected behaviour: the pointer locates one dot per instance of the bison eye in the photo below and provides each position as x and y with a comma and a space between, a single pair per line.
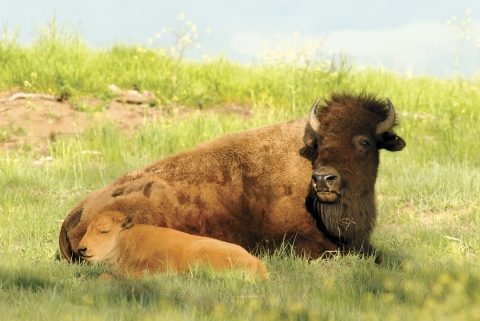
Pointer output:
365, 143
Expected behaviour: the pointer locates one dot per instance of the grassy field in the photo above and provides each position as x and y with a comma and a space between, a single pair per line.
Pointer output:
428, 195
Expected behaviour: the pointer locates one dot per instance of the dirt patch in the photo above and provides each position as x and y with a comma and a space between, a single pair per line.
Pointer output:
448, 215
433, 217
35, 120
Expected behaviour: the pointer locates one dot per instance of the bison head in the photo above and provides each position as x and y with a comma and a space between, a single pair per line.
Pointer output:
101, 236
344, 136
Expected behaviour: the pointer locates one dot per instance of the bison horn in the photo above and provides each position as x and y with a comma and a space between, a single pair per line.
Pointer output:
312, 117
388, 123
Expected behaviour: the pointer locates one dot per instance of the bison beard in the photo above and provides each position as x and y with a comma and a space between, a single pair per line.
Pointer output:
348, 222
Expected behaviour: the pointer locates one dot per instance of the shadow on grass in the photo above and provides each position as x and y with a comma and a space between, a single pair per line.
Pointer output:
141, 292
26, 279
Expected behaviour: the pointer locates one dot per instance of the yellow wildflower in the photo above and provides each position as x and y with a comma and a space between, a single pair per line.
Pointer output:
186, 38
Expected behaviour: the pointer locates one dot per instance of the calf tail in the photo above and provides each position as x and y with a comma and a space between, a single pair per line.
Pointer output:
70, 222
65, 247
64, 244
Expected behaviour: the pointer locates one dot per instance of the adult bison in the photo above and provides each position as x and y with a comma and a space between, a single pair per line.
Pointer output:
310, 181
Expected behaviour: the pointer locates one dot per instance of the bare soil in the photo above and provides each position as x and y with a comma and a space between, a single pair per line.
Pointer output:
36, 120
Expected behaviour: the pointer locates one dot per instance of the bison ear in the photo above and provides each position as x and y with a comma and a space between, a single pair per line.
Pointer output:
310, 138
128, 223
393, 143
310, 141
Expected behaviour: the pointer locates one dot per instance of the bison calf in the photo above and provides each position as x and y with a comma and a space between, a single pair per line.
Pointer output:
129, 249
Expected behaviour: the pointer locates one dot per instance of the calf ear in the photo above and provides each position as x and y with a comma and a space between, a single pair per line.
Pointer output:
393, 142
128, 223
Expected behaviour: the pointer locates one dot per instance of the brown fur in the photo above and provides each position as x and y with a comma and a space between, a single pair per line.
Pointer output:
254, 188
347, 121
130, 250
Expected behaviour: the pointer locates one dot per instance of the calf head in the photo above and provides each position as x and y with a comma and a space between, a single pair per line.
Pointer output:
101, 235
345, 135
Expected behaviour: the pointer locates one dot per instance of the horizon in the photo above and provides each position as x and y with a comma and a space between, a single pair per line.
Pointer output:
410, 37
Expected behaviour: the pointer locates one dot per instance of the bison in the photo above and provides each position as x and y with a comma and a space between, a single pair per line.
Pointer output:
309, 181
130, 249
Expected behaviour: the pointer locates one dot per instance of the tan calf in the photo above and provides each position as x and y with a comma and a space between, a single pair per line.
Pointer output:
129, 249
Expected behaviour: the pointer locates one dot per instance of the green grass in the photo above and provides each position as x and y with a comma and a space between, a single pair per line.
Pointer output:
59, 62
428, 194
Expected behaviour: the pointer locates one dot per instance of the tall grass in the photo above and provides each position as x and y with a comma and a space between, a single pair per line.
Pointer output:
60, 62
428, 194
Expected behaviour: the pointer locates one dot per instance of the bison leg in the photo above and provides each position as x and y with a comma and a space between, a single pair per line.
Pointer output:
106, 277
314, 248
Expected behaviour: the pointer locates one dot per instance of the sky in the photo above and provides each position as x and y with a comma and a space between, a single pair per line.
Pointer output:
408, 36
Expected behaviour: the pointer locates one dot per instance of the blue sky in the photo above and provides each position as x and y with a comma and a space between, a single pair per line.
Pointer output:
408, 36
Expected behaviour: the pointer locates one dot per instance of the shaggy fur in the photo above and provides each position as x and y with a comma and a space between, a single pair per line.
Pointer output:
129, 250
347, 141
254, 188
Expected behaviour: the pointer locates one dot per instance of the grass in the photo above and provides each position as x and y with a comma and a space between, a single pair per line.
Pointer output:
7, 131
428, 194
59, 62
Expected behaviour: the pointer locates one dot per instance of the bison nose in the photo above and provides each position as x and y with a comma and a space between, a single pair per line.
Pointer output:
323, 182
82, 250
